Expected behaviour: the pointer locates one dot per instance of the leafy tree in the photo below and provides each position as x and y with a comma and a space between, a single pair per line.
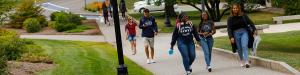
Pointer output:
169, 8
213, 9
26, 9
6, 6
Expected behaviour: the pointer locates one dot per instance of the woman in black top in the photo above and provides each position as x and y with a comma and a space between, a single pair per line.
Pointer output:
241, 31
206, 30
184, 34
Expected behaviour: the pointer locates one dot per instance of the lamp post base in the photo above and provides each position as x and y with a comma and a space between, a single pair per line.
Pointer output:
122, 70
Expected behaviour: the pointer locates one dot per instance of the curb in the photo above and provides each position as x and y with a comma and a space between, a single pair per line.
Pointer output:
266, 63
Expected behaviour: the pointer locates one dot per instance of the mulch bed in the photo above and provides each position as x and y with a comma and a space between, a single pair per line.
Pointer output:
27, 68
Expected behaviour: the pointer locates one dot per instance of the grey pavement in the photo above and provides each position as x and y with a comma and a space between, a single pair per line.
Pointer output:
172, 64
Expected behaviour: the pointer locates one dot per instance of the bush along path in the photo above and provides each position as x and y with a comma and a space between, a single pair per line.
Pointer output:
85, 58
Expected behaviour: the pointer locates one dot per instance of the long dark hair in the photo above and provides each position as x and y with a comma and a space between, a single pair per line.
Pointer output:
208, 17
202, 19
181, 16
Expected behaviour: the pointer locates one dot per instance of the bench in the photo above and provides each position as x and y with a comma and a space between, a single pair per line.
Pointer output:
220, 24
280, 19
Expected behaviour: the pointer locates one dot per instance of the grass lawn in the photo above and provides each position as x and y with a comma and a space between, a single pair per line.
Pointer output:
257, 17
80, 28
276, 46
85, 58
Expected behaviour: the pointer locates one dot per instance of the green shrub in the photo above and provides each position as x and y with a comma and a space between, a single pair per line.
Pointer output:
60, 27
32, 25
10, 45
26, 9
65, 21
42, 20
51, 24
2, 65
74, 18
53, 15
62, 17
292, 7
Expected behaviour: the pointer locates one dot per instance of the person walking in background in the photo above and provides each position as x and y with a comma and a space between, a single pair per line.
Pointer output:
105, 13
149, 30
241, 31
206, 30
110, 10
183, 34
130, 29
123, 8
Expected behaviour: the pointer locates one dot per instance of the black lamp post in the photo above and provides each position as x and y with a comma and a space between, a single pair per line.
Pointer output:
122, 69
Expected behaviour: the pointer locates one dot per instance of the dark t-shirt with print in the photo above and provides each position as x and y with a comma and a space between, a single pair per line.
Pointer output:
206, 27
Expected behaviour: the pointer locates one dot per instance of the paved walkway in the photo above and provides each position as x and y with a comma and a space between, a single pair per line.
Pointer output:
172, 65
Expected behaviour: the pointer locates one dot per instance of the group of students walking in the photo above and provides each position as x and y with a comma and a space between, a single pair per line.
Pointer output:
107, 10
241, 31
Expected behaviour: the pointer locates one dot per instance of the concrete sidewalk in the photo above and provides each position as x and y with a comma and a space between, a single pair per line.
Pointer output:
172, 64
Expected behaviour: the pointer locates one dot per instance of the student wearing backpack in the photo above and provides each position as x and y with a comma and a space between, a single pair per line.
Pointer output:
130, 29
206, 30
183, 34
241, 32
149, 30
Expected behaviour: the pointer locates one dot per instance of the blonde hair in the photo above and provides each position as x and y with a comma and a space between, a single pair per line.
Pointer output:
129, 18
239, 12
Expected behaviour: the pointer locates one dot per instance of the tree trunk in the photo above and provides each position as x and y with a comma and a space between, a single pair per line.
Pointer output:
169, 10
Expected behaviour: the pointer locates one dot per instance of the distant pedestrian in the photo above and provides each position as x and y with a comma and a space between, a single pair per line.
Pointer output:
241, 32
130, 29
206, 30
183, 34
105, 13
123, 8
149, 30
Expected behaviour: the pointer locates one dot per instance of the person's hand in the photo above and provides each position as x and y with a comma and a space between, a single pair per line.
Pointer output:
205, 34
144, 25
232, 40
171, 51
155, 33
255, 33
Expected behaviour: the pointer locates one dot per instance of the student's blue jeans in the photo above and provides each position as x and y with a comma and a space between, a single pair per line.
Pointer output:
187, 51
207, 44
241, 38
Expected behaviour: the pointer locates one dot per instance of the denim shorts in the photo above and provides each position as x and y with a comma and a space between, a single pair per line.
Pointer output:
131, 38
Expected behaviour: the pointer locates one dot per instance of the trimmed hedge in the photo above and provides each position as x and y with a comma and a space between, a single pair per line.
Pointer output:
63, 21
60, 27
32, 25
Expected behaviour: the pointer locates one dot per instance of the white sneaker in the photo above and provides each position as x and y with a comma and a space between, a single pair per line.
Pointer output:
188, 73
148, 61
152, 61
242, 65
